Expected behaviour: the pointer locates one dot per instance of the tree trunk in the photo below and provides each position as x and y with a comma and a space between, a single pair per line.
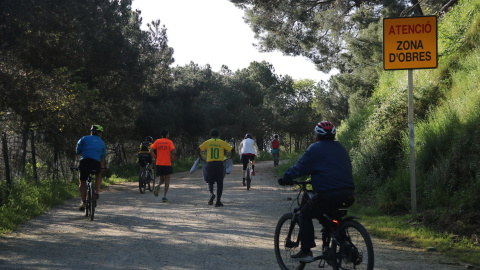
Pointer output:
34, 158
447, 5
5, 158
417, 8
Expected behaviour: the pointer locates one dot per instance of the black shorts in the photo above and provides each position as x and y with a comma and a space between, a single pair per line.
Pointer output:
245, 159
87, 165
164, 170
144, 158
215, 171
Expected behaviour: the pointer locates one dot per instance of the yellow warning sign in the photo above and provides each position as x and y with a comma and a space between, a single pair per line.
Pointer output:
410, 43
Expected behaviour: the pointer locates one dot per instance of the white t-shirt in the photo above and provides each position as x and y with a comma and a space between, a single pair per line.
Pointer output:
248, 146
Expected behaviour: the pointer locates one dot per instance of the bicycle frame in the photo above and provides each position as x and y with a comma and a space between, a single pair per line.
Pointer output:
91, 199
144, 178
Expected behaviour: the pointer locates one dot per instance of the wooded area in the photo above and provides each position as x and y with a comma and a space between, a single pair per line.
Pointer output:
66, 65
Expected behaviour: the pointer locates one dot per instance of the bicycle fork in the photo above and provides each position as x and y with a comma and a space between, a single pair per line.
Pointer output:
289, 243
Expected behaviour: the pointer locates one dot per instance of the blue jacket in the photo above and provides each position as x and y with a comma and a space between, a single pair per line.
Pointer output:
91, 146
328, 164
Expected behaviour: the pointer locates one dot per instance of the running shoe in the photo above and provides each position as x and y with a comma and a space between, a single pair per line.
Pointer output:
157, 189
243, 183
164, 199
218, 204
303, 256
212, 197
253, 173
82, 206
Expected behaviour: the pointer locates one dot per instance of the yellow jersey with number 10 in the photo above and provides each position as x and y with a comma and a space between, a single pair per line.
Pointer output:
215, 149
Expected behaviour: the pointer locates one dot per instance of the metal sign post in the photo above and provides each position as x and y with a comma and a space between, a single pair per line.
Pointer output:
411, 134
410, 43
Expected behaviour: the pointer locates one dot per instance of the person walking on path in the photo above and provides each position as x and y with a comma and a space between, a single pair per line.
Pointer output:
165, 152
215, 149
275, 150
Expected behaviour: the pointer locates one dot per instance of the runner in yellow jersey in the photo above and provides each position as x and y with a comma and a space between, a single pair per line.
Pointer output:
215, 148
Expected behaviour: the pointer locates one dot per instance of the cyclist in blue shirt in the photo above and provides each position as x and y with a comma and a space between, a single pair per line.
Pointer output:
330, 168
93, 152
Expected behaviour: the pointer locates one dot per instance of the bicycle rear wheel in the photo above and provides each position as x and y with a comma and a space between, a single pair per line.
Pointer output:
287, 244
356, 248
93, 201
141, 181
88, 201
248, 178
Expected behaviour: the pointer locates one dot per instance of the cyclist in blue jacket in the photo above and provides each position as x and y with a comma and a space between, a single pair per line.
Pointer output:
330, 168
93, 152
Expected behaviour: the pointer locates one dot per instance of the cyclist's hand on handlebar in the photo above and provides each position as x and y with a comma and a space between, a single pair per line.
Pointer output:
285, 181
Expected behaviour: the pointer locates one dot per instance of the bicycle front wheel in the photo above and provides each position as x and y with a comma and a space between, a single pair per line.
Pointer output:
355, 250
287, 243
141, 181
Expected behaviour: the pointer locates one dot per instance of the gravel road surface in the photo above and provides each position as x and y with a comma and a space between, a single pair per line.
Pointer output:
139, 231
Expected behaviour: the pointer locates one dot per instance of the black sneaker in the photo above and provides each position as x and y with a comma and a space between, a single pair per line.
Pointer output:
82, 206
218, 204
212, 197
302, 256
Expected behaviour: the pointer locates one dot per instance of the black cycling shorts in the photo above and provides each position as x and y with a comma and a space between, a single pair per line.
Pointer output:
245, 159
87, 165
144, 158
164, 170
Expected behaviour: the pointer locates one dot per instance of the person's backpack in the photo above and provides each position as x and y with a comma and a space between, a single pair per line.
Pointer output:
145, 146
275, 144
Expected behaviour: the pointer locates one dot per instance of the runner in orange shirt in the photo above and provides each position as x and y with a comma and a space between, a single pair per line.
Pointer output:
165, 154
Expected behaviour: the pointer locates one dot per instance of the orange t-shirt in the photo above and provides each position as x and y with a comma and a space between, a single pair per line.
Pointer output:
163, 146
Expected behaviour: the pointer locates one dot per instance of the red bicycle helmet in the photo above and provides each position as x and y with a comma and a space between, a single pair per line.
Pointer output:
325, 129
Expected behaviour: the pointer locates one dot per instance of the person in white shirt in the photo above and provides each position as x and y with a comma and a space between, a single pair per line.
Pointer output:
248, 150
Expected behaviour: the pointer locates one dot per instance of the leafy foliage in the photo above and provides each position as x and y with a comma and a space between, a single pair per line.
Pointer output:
446, 123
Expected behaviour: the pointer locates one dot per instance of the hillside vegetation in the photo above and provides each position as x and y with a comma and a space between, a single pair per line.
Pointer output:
447, 136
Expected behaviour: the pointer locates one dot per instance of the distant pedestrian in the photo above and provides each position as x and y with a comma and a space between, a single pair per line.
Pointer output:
275, 150
165, 152
215, 149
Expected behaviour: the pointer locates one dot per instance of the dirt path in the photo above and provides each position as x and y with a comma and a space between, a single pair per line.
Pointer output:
138, 231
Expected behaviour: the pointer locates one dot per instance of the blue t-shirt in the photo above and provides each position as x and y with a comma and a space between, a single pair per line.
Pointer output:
91, 146
328, 164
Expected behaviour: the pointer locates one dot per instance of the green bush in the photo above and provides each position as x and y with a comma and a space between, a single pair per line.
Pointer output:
27, 199
394, 195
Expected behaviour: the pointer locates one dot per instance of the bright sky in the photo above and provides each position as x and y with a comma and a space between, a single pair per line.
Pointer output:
213, 32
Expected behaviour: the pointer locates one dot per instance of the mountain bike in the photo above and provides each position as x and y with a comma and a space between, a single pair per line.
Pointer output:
346, 244
145, 179
91, 198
